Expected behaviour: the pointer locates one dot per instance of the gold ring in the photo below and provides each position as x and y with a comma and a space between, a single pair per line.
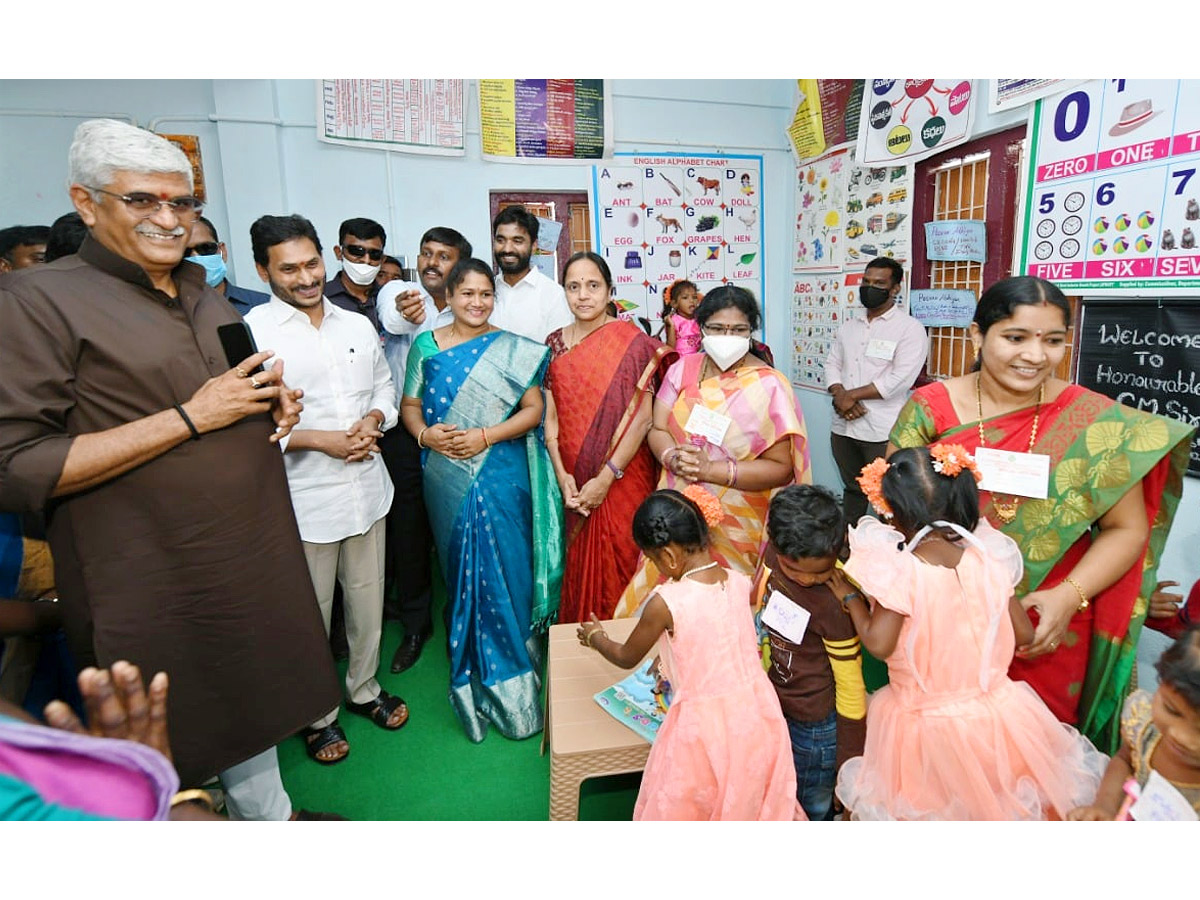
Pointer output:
254, 382
241, 373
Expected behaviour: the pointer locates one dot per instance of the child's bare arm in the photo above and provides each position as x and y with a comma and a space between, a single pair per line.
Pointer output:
1111, 792
656, 618
1022, 626
879, 628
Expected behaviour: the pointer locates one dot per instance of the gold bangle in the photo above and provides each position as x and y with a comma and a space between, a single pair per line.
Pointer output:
421, 434
486, 442
195, 794
592, 634
1083, 598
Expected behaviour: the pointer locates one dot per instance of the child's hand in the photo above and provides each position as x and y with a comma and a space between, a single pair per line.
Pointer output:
840, 584
1088, 814
1162, 604
586, 632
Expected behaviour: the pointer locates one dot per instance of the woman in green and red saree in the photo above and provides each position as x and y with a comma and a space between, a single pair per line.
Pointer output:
599, 395
1091, 520
473, 400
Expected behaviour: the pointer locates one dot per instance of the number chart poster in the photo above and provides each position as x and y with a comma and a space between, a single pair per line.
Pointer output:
415, 115
1112, 198
664, 218
912, 118
535, 119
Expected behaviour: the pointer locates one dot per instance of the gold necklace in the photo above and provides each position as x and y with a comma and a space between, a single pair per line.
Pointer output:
1007, 511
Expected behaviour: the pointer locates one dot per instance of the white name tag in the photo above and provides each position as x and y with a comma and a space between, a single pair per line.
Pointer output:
880, 349
1010, 472
708, 424
1160, 801
785, 617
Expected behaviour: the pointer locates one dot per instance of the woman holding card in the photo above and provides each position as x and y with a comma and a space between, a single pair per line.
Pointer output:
725, 419
1087, 490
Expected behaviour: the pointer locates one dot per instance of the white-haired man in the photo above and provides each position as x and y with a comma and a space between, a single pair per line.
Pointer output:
174, 542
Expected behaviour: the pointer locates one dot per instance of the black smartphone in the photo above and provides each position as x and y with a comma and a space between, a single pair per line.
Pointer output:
238, 343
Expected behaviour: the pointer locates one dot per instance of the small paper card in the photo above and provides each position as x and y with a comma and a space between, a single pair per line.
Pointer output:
1161, 801
1010, 472
881, 349
786, 617
708, 424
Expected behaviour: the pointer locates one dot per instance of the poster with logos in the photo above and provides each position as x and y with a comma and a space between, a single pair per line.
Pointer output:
414, 115
660, 218
537, 119
1112, 196
908, 119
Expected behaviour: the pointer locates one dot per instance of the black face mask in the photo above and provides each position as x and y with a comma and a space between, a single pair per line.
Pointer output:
872, 297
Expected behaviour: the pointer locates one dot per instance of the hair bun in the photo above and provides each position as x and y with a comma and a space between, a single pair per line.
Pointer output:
710, 506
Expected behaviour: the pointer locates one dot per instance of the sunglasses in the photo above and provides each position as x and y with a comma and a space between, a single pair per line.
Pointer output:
356, 251
207, 248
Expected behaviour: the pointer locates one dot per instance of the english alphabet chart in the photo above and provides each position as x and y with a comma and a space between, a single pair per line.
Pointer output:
664, 218
1113, 198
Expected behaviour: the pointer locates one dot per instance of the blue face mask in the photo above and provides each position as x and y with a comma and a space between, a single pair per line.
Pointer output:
214, 268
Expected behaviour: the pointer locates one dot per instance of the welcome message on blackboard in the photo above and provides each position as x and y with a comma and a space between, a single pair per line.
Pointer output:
1146, 354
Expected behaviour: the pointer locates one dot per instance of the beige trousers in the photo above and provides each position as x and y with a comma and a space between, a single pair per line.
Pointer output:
357, 564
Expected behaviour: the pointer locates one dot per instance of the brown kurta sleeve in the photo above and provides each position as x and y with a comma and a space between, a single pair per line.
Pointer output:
36, 392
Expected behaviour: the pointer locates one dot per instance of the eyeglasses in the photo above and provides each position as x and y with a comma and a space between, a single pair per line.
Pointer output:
144, 205
356, 251
735, 330
206, 248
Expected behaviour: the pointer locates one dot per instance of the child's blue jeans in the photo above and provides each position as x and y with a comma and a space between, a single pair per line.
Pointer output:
814, 752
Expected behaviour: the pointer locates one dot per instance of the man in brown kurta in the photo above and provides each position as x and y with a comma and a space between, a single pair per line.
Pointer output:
176, 552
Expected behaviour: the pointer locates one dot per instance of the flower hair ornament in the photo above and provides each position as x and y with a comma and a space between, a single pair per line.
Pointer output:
950, 459
710, 506
871, 482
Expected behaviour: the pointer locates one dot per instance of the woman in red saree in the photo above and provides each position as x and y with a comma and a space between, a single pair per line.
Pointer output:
601, 382
1091, 546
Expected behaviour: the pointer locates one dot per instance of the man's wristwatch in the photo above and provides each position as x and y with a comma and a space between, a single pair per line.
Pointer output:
617, 473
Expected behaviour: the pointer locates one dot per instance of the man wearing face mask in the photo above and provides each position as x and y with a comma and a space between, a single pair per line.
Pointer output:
360, 251
206, 250
870, 369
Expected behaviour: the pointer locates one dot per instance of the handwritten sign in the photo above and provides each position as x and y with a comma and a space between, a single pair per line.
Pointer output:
956, 240
942, 306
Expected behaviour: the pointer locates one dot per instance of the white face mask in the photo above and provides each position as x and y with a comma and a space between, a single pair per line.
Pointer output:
360, 273
725, 349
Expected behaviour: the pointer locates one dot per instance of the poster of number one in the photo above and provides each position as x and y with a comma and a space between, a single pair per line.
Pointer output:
664, 218
1113, 196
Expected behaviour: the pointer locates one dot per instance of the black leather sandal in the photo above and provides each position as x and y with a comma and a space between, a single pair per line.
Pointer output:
380, 710
317, 739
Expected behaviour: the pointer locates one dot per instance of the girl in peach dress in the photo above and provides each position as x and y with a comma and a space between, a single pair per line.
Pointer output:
952, 736
723, 751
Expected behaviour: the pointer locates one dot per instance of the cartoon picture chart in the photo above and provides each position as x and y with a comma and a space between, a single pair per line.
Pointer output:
1113, 198
912, 118
664, 218
820, 199
818, 310
878, 219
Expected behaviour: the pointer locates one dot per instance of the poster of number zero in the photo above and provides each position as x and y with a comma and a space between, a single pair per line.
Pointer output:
664, 218
1112, 197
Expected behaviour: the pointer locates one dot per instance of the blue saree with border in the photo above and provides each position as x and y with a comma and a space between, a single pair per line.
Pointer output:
497, 523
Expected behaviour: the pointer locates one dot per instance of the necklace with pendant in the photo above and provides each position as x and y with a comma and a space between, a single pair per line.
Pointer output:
1006, 511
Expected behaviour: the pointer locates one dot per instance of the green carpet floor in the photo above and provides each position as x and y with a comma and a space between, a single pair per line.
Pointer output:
428, 769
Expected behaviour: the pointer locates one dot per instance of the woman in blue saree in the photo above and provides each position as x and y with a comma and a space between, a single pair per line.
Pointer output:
473, 400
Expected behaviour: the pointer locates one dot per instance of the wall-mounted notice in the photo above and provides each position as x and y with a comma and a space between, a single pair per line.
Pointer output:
943, 307
413, 115
1146, 355
1113, 201
663, 218
535, 119
956, 240
1005, 93
912, 118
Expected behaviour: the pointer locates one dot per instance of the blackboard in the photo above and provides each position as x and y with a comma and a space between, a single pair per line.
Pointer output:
1144, 353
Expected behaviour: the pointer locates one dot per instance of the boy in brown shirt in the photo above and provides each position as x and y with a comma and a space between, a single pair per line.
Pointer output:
817, 674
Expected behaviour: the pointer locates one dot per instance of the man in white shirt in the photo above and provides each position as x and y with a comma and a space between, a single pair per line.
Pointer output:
870, 369
527, 302
405, 310
340, 488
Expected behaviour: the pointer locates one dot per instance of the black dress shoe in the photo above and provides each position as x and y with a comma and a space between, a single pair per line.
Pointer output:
409, 651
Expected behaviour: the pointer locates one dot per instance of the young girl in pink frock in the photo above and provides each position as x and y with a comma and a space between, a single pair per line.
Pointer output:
952, 736
723, 751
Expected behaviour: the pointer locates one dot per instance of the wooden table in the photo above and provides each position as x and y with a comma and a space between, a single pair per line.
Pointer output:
585, 741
